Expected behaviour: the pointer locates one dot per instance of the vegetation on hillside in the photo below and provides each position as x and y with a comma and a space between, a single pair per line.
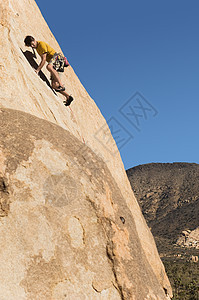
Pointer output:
168, 195
184, 278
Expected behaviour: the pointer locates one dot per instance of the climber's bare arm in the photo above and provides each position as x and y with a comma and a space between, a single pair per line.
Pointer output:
42, 63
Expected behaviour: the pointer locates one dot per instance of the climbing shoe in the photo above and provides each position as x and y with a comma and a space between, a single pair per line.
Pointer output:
68, 101
60, 89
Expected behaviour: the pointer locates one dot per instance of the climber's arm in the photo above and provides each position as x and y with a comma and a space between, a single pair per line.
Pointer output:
42, 63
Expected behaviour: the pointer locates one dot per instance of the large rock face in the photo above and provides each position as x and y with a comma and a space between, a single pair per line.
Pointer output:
70, 226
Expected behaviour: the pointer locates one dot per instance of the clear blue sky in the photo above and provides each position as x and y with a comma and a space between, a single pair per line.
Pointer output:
118, 48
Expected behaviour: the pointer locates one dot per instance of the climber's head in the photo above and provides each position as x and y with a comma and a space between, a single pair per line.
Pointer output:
30, 41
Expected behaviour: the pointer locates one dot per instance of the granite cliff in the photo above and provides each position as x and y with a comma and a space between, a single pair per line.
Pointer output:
70, 226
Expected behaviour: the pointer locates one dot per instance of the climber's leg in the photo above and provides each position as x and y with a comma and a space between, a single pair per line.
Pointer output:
64, 93
54, 74
55, 85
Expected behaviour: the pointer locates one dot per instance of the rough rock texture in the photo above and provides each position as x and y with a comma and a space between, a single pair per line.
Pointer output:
189, 239
70, 227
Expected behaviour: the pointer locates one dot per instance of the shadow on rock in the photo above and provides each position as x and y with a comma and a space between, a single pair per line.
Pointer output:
30, 58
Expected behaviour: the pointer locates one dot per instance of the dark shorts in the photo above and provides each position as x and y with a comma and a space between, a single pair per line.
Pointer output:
58, 62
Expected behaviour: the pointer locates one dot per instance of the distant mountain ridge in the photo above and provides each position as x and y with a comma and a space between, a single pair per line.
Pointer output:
168, 194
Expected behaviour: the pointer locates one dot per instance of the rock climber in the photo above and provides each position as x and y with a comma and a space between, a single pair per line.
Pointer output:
55, 66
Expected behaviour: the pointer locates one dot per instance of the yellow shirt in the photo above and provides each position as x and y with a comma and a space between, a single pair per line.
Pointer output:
43, 47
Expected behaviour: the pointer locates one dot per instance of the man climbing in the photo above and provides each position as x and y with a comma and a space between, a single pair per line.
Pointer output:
55, 64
